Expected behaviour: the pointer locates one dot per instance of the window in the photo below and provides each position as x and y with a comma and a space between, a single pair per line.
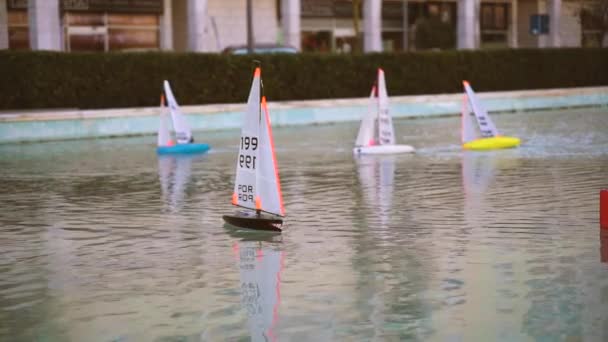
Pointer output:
111, 31
319, 41
18, 31
591, 25
130, 31
85, 31
494, 24
94, 25
494, 17
432, 25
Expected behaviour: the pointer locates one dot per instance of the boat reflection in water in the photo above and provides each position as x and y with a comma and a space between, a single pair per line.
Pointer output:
260, 267
484, 203
376, 175
604, 245
174, 173
478, 172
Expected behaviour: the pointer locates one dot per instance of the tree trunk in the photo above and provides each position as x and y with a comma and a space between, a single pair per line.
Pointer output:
356, 15
249, 27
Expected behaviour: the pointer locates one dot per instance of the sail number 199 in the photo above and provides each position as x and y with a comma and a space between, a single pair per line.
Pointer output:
247, 161
247, 143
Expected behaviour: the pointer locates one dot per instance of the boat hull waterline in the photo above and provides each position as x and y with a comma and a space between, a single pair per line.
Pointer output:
183, 149
270, 224
384, 149
493, 143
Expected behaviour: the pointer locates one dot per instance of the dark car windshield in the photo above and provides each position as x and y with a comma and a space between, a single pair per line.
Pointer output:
263, 50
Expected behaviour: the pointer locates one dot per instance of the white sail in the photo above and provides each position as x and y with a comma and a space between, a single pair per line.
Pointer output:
486, 126
164, 136
268, 185
245, 186
182, 130
365, 137
260, 273
386, 134
468, 131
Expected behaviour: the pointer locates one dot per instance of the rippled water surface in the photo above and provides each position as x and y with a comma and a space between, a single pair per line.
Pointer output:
101, 240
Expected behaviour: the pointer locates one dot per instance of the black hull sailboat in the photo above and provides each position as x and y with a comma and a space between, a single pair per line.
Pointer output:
257, 188
271, 224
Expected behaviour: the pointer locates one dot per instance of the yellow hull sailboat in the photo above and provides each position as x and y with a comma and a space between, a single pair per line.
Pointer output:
490, 139
492, 143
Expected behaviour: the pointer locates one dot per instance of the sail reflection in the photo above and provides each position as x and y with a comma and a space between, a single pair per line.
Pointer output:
376, 175
478, 171
260, 268
174, 173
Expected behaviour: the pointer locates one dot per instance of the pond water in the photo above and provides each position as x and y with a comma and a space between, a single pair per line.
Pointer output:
101, 240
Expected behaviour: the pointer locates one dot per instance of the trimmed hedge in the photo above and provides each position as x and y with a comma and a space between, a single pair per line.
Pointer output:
110, 80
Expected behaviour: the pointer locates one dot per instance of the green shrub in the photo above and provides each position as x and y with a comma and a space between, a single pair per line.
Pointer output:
110, 80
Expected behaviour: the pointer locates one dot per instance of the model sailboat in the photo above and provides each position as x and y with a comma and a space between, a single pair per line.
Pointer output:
488, 137
184, 143
257, 186
376, 133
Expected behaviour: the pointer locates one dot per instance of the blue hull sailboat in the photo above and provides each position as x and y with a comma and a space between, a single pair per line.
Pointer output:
184, 142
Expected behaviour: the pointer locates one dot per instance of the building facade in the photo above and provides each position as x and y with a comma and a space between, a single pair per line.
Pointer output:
309, 25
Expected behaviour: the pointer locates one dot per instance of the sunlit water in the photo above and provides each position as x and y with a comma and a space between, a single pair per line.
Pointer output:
101, 240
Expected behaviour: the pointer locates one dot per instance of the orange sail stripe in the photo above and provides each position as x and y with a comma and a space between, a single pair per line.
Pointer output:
162, 100
258, 203
257, 72
274, 159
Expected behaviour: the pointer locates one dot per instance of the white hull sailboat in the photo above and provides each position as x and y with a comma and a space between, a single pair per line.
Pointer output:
183, 142
384, 149
257, 187
487, 137
376, 133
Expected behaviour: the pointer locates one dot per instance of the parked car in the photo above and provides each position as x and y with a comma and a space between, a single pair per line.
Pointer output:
259, 49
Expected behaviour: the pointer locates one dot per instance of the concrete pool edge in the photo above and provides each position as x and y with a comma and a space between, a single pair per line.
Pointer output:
82, 124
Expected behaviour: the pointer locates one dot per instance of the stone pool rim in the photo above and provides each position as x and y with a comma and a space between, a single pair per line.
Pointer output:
46, 125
